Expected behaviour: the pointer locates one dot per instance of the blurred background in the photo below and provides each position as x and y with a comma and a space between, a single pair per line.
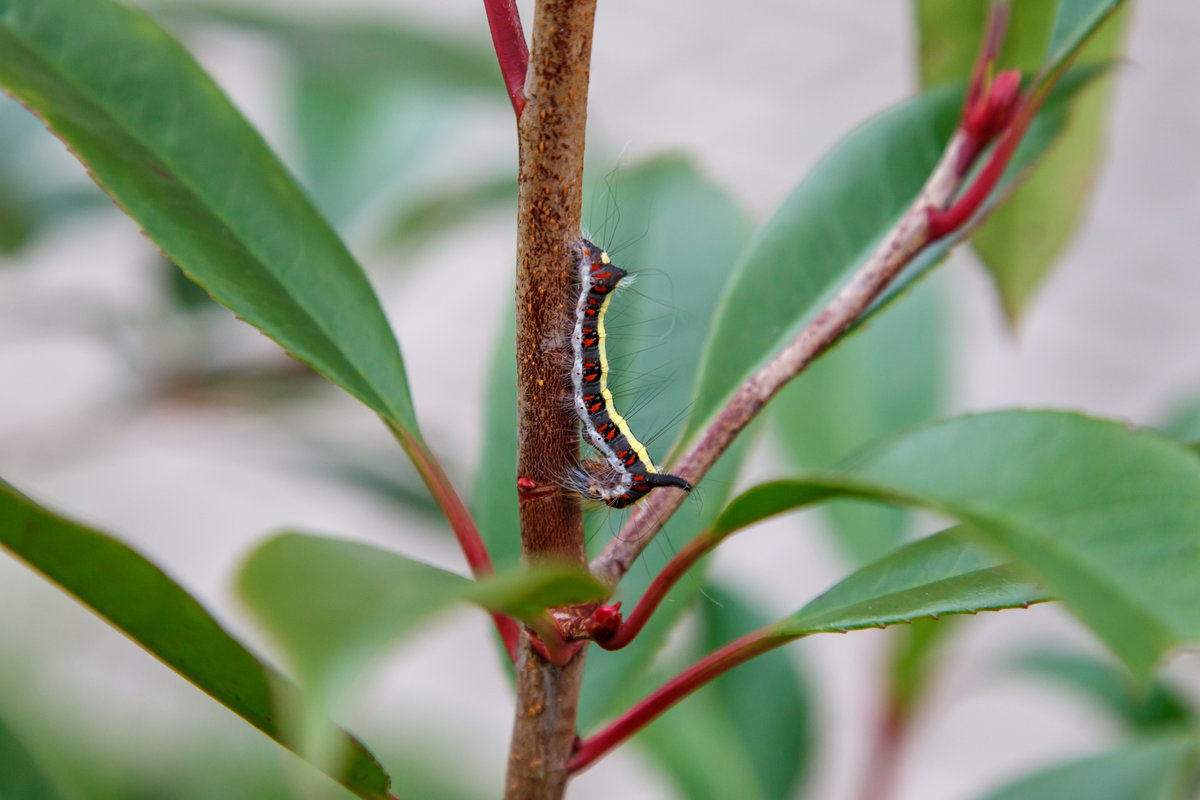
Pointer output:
130, 401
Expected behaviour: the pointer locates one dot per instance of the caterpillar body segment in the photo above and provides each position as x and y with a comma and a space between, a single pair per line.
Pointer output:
625, 473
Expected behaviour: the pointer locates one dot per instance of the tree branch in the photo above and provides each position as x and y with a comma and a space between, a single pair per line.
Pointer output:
551, 139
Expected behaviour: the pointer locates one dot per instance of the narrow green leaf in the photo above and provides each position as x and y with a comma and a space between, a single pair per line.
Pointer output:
749, 734
1106, 517
832, 222
334, 604
374, 101
1021, 241
33, 197
1149, 769
1077, 20
445, 208
818, 238
157, 134
357, 50
21, 777
1144, 708
494, 504
698, 750
1182, 422
768, 700
914, 660
888, 378
139, 600
940, 574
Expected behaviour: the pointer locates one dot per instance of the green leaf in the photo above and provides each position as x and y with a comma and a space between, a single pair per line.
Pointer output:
1182, 422
139, 600
157, 134
697, 748
941, 574
494, 504
914, 661
830, 225
888, 378
1077, 21
1021, 241
818, 238
357, 50
768, 699
333, 604
1106, 517
1144, 708
750, 733
21, 777
444, 208
374, 102
683, 232
32, 198
1153, 769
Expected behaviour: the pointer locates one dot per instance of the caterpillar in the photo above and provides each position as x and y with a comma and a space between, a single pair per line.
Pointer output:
625, 473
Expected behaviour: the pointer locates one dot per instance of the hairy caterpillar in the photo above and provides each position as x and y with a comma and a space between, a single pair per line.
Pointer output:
625, 473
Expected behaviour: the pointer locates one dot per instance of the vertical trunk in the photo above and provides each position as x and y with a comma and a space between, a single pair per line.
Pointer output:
551, 134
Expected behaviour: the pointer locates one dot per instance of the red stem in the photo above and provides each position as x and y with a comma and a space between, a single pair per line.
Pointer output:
461, 522
692, 552
879, 782
712, 666
511, 50
944, 221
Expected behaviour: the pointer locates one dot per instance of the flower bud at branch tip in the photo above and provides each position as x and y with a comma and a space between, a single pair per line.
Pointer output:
986, 115
604, 622
992, 112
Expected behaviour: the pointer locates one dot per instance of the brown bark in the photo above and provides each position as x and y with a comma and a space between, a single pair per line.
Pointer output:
551, 140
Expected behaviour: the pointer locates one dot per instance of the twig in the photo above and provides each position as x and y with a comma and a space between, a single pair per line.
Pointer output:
511, 51
901, 245
657, 590
993, 107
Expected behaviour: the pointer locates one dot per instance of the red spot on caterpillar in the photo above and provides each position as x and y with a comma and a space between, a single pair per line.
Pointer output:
525, 484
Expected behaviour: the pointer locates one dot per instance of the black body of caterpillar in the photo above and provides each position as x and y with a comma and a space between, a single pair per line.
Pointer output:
625, 474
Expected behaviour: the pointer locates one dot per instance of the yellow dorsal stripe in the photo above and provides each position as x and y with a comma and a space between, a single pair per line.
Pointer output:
609, 405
